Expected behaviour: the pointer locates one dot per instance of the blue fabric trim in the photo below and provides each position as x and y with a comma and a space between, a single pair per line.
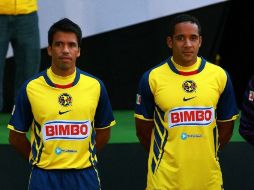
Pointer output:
173, 68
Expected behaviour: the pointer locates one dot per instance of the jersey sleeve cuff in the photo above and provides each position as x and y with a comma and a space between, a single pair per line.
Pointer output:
110, 125
231, 119
12, 128
138, 116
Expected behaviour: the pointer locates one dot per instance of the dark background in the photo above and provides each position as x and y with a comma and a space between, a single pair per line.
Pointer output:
121, 56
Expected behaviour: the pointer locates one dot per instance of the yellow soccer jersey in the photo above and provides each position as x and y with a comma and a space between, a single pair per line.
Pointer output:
62, 119
184, 107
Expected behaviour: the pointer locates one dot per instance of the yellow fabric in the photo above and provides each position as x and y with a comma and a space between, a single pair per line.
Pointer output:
193, 67
63, 120
184, 142
16, 7
199, 148
59, 79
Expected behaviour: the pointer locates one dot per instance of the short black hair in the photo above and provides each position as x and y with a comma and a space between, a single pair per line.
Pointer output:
64, 25
183, 18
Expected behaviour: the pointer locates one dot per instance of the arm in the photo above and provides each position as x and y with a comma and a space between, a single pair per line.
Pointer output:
144, 131
20, 143
227, 112
102, 138
225, 130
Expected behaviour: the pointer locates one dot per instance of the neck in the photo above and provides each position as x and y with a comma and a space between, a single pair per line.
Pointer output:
63, 72
184, 63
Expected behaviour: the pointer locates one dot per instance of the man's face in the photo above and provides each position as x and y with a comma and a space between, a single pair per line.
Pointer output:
185, 43
64, 52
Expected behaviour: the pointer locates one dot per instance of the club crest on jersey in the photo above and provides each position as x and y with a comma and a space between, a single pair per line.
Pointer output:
66, 130
65, 100
191, 116
251, 96
189, 86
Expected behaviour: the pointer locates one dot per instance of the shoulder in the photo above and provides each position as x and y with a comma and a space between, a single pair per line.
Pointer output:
214, 67
159, 68
34, 79
89, 78
216, 70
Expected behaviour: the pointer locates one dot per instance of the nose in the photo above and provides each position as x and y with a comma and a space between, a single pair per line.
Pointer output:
187, 42
66, 49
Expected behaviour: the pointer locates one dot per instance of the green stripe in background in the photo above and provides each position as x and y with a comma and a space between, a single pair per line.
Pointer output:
122, 132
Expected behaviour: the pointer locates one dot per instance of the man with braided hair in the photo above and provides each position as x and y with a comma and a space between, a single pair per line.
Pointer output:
185, 112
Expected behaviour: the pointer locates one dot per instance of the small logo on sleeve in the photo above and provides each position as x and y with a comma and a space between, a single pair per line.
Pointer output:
251, 96
138, 99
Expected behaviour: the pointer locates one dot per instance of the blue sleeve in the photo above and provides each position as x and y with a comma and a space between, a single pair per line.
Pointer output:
104, 114
144, 99
22, 115
246, 128
227, 107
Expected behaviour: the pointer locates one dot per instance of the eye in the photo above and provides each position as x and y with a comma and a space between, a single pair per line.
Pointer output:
194, 38
179, 38
58, 44
73, 45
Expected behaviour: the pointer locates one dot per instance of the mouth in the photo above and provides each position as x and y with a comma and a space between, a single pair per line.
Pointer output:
188, 53
65, 59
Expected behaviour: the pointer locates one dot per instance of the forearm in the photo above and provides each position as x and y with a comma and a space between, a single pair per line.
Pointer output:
225, 130
144, 131
145, 141
102, 137
20, 143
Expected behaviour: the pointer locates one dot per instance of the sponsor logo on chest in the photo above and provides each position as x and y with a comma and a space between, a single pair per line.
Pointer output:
191, 116
66, 130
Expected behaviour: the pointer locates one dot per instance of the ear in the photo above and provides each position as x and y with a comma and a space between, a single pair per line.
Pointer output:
49, 49
78, 52
200, 41
169, 42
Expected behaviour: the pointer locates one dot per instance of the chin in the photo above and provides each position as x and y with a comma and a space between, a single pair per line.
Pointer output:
65, 67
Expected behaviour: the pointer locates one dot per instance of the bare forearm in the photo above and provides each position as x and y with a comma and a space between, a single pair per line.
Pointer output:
24, 149
144, 131
20, 143
225, 130
102, 137
145, 141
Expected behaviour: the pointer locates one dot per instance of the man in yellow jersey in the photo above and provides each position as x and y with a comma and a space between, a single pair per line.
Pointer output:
185, 111
19, 27
69, 115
